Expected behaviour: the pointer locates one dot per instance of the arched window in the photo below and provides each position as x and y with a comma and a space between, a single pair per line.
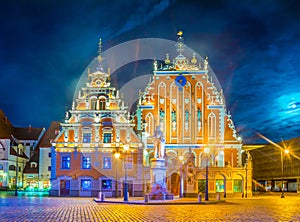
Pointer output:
107, 135
102, 103
220, 159
93, 104
33, 165
12, 167
149, 124
211, 125
205, 159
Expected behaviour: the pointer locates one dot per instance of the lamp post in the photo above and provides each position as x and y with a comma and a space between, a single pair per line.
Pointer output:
281, 155
181, 177
206, 151
126, 148
20, 146
117, 156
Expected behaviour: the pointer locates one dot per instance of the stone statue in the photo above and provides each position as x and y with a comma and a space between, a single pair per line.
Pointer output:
159, 143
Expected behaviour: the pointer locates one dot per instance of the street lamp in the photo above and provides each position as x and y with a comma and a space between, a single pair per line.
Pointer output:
20, 146
126, 148
206, 151
281, 155
181, 177
117, 156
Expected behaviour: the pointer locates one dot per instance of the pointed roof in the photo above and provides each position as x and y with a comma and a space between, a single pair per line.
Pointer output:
50, 135
6, 128
27, 133
14, 153
32, 170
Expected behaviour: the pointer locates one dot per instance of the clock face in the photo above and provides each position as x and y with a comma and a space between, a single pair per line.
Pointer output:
180, 81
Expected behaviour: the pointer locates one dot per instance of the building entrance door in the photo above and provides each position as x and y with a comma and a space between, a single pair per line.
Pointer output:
130, 187
175, 184
64, 187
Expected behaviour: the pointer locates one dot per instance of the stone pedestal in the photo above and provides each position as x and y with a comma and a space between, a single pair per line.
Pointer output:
158, 171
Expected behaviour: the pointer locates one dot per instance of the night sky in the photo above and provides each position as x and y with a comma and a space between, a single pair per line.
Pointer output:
253, 49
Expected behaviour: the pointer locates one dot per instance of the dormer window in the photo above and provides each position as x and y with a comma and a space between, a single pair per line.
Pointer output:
33, 165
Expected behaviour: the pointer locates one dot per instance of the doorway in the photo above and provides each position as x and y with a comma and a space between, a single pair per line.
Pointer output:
64, 187
175, 184
130, 187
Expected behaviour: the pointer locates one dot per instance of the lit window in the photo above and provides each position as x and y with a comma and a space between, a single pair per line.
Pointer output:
106, 184
107, 138
12, 167
1, 167
93, 104
65, 162
106, 163
219, 185
86, 184
86, 162
201, 185
87, 137
102, 103
212, 125
237, 185
221, 159
129, 162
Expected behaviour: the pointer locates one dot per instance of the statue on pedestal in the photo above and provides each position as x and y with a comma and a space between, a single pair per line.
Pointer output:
159, 143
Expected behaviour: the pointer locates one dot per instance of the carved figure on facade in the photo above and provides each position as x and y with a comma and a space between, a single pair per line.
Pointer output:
199, 116
159, 143
161, 114
173, 115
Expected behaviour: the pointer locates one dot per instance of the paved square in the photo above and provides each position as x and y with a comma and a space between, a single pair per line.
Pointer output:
265, 208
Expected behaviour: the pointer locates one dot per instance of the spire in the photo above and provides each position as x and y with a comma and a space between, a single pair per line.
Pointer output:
100, 58
100, 47
167, 60
194, 60
180, 45
206, 63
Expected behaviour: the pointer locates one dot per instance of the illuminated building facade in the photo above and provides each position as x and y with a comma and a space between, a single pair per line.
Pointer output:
183, 100
273, 168
97, 149
202, 148
17, 147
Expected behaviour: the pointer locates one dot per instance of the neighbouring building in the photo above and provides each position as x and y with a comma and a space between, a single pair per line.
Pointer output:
183, 100
38, 169
97, 149
45, 147
17, 146
273, 168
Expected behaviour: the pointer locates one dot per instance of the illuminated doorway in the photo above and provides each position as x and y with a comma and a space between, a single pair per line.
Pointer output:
175, 184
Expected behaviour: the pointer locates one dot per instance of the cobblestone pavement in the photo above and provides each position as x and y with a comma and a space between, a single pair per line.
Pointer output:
264, 208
